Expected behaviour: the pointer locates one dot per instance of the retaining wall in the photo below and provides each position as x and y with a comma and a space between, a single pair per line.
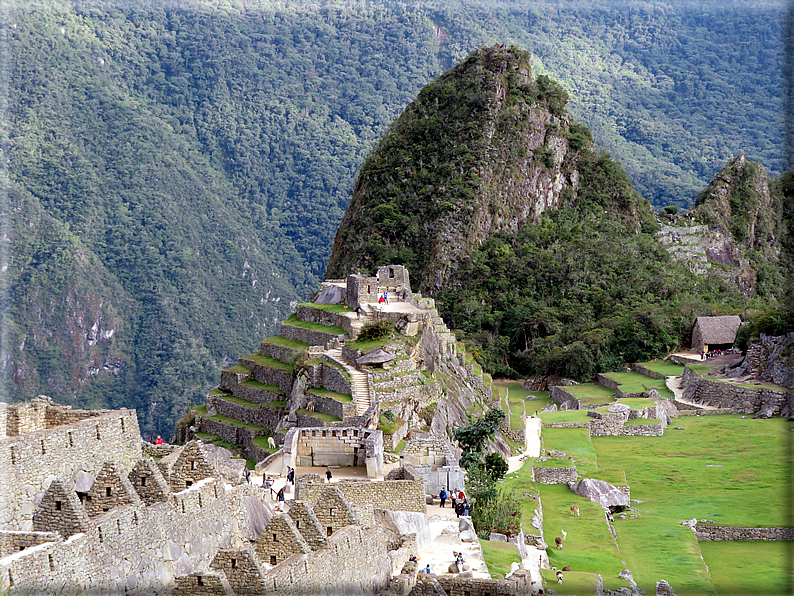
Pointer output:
267, 416
309, 336
647, 371
391, 495
544, 475
311, 314
708, 532
282, 353
727, 395
562, 397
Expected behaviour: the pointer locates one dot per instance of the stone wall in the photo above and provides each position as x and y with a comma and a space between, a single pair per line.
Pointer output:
264, 415
544, 475
727, 395
710, 532
282, 353
566, 425
609, 383
643, 430
518, 585
647, 371
133, 548
11, 542
268, 375
392, 495
339, 446
354, 562
27, 461
565, 399
311, 314
309, 336
231, 378
258, 395
329, 405
607, 424
361, 289
232, 433
332, 378
423, 394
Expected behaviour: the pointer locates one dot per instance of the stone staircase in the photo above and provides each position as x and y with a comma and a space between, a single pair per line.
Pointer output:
359, 383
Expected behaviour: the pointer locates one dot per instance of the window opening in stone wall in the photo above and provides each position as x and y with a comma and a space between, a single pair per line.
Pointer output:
98, 436
329, 530
333, 433
298, 523
118, 525
188, 483
57, 505
199, 581
108, 491
314, 433
272, 559
99, 531
71, 441
183, 506
143, 480
43, 450
215, 488
200, 503
10, 580
122, 424
234, 563
105, 509
344, 433
52, 562
355, 433
13, 455
275, 537
192, 465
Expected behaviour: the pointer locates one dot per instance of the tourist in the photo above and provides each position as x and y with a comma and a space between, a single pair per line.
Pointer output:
248, 476
291, 475
442, 494
358, 312
386, 296
465, 508
280, 498
452, 497
427, 569
328, 475
159, 440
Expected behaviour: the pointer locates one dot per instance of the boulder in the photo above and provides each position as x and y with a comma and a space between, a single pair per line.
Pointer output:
330, 295
551, 408
600, 492
83, 481
375, 357
497, 537
618, 408
407, 522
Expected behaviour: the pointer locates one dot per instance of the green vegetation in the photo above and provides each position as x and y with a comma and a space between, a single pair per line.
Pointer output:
634, 382
283, 342
216, 440
564, 416
665, 367
327, 307
738, 567
498, 557
320, 415
257, 385
340, 397
576, 443
389, 427
376, 330
472, 438
294, 322
238, 369
590, 391
261, 442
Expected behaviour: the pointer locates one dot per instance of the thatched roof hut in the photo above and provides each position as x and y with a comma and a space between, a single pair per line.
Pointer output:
715, 333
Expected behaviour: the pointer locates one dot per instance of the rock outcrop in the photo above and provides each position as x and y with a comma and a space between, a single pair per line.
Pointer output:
603, 493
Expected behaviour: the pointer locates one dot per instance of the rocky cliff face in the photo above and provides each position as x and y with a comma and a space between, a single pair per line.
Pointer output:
739, 232
483, 148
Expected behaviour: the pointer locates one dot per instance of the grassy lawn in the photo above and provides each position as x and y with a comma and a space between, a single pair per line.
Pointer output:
388, 427
752, 568
261, 442
283, 342
589, 546
217, 391
240, 402
517, 397
670, 475
269, 362
590, 391
636, 403
564, 416
294, 322
340, 397
664, 367
239, 369
552, 463
320, 415
573, 582
498, 557
576, 443
216, 440
203, 411
400, 446
327, 307
634, 382
374, 344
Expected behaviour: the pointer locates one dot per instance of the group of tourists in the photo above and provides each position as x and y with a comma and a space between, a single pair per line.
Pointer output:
710, 354
459, 502
157, 441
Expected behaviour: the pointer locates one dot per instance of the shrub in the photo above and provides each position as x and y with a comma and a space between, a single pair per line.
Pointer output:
671, 209
375, 330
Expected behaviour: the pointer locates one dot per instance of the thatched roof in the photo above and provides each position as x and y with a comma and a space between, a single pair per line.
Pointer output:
718, 330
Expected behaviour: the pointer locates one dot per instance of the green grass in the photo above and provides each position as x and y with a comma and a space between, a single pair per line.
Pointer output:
517, 397
498, 557
752, 568
216, 440
634, 382
564, 416
240, 401
294, 322
203, 411
552, 463
400, 446
614, 476
257, 385
320, 415
590, 391
238, 369
340, 368
261, 442
217, 391
340, 397
574, 582
664, 367
388, 427
283, 342
576, 443
328, 307
636, 403
589, 546
670, 475
269, 362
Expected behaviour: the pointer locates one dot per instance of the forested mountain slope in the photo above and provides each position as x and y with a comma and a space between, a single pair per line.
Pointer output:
177, 170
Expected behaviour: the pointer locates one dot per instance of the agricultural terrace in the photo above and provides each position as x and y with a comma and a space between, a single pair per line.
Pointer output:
728, 469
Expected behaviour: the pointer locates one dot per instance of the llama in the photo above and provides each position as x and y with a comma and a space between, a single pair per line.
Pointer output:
310, 406
558, 542
271, 442
575, 510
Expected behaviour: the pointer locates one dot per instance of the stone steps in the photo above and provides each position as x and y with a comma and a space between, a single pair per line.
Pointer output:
359, 383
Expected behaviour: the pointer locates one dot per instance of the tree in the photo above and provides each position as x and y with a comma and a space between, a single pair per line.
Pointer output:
472, 438
495, 465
